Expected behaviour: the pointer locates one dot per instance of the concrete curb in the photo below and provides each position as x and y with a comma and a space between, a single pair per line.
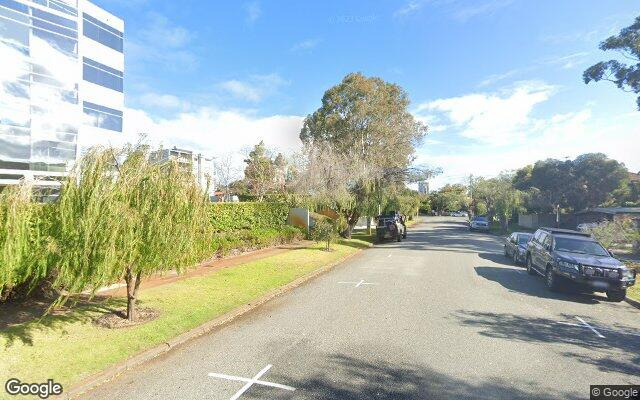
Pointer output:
634, 303
141, 358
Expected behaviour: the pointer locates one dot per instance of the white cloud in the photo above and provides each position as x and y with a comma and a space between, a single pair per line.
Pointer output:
255, 88
560, 136
163, 101
489, 117
213, 132
160, 42
409, 8
253, 11
305, 45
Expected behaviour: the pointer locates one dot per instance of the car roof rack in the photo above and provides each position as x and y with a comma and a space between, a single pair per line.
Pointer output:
565, 231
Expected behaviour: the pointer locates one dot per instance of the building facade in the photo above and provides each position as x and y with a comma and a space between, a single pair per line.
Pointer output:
423, 187
199, 165
62, 85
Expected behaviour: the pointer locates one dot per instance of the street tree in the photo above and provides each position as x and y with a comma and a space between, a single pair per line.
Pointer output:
596, 177
225, 173
624, 76
366, 120
122, 217
260, 171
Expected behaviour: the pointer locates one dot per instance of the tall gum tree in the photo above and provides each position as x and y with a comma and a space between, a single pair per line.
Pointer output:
366, 120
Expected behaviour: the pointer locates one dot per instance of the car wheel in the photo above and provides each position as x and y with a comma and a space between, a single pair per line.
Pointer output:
530, 269
404, 235
515, 258
506, 252
616, 295
552, 280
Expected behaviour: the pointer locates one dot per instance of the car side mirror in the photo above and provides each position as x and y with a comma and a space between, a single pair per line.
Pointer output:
547, 246
611, 252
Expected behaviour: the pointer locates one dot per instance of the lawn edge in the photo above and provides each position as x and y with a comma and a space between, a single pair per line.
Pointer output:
633, 302
113, 371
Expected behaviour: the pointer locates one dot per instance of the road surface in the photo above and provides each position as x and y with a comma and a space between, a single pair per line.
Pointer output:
440, 315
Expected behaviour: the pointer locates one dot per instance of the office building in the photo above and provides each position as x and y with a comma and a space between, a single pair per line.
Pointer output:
61, 86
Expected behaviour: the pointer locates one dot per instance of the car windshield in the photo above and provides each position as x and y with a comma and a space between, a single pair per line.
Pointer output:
580, 246
480, 219
523, 239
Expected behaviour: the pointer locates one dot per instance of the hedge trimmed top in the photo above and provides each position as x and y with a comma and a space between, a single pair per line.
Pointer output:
238, 216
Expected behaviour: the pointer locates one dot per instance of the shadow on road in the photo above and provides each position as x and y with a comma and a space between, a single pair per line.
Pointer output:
619, 351
514, 280
348, 378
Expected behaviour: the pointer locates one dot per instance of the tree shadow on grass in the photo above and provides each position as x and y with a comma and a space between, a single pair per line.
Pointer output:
344, 377
19, 321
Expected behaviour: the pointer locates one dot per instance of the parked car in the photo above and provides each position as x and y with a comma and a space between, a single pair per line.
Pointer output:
566, 255
585, 227
479, 223
391, 226
516, 246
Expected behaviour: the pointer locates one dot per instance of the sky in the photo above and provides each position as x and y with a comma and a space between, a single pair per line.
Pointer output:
498, 82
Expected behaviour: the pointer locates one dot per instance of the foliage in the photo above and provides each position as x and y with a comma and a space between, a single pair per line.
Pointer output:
122, 217
587, 181
325, 230
263, 172
366, 124
619, 233
24, 240
247, 240
183, 305
425, 204
450, 198
406, 201
625, 77
226, 217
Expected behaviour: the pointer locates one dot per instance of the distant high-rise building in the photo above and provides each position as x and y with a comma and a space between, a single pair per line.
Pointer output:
201, 166
423, 187
61, 85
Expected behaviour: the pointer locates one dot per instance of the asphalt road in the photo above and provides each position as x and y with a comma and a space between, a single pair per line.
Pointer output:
446, 316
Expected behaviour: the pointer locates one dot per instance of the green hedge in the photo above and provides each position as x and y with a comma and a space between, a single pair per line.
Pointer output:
227, 217
248, 240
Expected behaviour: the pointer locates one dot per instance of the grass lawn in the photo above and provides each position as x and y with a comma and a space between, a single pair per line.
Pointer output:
69, 347
634, 292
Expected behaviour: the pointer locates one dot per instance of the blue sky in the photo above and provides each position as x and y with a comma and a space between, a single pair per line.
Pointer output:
498, 81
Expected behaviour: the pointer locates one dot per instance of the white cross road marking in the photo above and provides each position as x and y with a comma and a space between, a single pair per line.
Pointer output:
250, 382
590, 327
358, 284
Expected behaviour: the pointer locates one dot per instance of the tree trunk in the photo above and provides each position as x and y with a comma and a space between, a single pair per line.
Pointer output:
133, 284
369, 226
352, 220
504, 222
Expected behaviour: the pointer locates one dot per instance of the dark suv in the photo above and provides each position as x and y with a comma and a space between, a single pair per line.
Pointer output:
391, 226
574, 256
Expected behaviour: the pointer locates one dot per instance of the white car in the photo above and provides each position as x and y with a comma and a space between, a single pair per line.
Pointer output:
479, 224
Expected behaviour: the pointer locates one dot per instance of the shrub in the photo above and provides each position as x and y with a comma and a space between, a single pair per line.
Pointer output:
247, 216
24, 240
325, 230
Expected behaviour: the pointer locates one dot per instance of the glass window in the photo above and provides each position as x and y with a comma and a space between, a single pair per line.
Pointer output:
95, 30
101, 66
15, 6
60, 6
102, 76
61, 43
55, 28
54, 19
13, 148
104, 117
14, 33
580, 246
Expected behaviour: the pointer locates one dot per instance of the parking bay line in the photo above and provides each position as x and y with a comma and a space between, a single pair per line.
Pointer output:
584, 324
250, 382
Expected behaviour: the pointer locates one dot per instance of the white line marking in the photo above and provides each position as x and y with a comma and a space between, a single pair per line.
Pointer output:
360, 283
590, 327
600, 328
389, 255
250, 382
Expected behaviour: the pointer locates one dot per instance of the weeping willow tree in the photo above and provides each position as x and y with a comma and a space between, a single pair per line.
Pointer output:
122, 217
24, 240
